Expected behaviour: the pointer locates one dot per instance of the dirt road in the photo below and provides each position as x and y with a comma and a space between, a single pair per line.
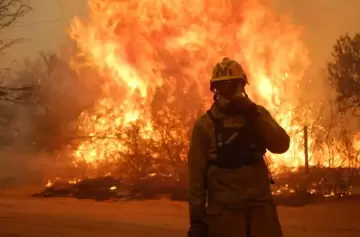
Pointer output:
30, 217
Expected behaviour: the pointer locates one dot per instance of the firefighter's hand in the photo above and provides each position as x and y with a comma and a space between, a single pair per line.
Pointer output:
251, 112
197, 230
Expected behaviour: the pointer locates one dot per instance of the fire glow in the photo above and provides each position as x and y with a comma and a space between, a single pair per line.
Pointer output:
139, 46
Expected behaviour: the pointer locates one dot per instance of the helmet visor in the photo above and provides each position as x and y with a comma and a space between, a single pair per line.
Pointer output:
228, 88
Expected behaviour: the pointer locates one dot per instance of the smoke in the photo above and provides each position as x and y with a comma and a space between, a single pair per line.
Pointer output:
323, 22
39, 125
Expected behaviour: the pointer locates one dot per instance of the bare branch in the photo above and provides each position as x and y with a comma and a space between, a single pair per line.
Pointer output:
10, 11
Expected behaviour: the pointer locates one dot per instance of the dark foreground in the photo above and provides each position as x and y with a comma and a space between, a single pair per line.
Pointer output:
34, 217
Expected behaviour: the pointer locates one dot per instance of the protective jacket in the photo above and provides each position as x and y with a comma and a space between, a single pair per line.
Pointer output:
227, 169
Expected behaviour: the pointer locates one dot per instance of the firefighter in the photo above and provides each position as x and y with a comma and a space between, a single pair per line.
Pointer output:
230, 191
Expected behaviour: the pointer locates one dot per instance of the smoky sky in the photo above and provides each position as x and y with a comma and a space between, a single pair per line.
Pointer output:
323, 21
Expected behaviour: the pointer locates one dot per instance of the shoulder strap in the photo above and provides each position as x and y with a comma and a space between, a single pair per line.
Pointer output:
218, 125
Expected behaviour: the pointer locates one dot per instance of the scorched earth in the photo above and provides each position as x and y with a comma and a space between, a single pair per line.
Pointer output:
30, 217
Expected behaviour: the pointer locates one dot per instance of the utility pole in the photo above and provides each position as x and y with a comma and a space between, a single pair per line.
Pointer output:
306, 151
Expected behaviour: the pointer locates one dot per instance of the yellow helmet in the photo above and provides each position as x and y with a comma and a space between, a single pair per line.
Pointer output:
226, 70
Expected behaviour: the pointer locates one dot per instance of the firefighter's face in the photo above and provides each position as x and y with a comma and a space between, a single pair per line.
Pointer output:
231, 89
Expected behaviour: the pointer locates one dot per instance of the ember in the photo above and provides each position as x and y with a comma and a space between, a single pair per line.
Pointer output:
100, 189
292, 188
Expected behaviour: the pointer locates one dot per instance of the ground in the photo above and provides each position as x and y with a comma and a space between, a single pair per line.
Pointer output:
22, 216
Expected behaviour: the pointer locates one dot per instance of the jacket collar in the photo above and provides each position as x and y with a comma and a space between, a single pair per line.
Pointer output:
216, 112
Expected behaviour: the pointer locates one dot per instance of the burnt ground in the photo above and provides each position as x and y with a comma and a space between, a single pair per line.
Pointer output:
22, 216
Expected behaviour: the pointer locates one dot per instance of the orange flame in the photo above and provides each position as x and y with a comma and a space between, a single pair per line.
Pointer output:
138, 45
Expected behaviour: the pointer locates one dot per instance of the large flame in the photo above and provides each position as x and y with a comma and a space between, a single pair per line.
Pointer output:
139, 45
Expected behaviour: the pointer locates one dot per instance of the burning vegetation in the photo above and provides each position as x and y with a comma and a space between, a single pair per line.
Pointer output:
154, 60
